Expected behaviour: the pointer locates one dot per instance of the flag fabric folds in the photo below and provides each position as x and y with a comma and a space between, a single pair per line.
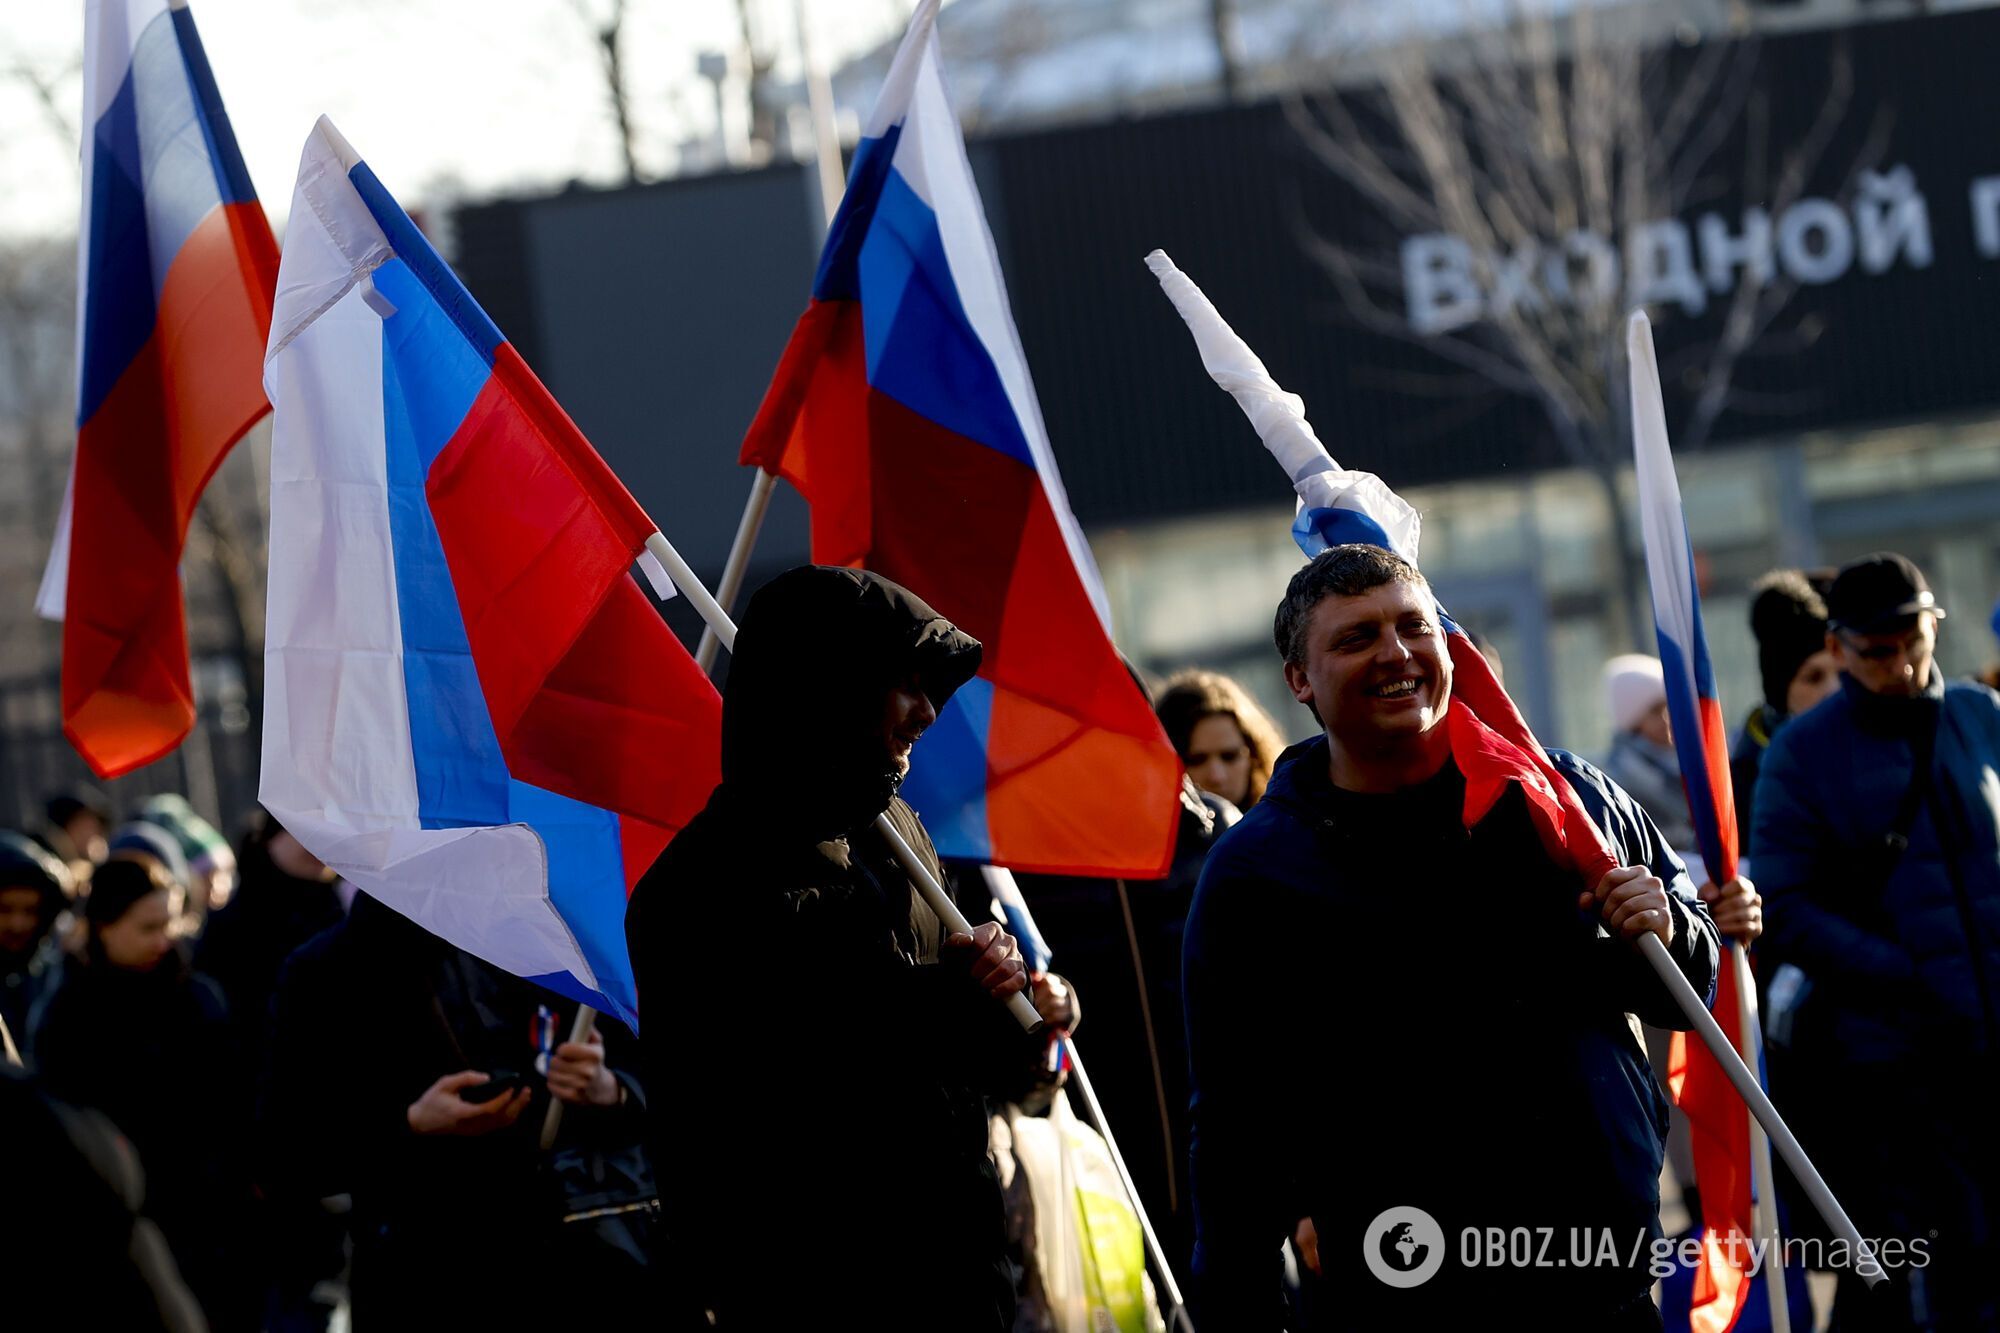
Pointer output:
1490, 740
472, 712
1716, 1117
902, 409
174, 274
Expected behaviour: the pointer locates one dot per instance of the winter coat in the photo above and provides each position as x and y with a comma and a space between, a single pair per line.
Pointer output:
245, 943
824, 1158
1385, 1010
1902, 946
1746, 759
1904, 949
446, 1229
1651, 775
155, 1053
81, 1253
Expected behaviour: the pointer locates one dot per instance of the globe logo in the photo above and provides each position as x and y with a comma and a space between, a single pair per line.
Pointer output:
1404, 1247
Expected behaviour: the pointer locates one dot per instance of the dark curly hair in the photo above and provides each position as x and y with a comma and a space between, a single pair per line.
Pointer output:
1338, 571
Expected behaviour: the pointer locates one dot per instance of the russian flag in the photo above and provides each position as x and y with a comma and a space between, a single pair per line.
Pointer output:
174, 274
1719, 1122
471, 709
903, 411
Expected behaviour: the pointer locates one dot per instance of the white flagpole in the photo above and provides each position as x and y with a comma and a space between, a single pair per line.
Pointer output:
731, 582
1761, 1175
1760, 1106
940, 902
1153, 1247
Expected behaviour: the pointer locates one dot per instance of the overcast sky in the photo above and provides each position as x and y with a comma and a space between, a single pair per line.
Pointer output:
495, 94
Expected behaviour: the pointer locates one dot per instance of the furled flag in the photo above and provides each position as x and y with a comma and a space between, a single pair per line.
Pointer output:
175, 263
903, 411
1721, 1127
1490, 740
471, 710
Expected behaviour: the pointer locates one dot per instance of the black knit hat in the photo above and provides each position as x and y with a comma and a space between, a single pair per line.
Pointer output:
1789, 620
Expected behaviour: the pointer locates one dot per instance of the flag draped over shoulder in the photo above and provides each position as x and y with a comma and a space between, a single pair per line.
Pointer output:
1721, 1129
471, 711
174, 274
1490, 740
903, 411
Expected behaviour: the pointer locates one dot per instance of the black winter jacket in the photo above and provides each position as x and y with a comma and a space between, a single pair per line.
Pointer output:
155, 1052
823, 1145
1385, 1010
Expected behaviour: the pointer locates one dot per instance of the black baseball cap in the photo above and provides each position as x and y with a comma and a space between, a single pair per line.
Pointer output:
1874, 593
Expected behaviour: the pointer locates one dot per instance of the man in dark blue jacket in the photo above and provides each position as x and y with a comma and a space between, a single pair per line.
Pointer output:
1352, 948
1877, 843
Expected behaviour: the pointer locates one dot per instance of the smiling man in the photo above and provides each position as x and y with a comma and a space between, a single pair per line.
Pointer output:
1351, 949
822, 1146
1877, 840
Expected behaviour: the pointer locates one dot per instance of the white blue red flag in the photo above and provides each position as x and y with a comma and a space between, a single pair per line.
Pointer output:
1720, 1125
1490, 740
175, 263
472, 712
903, 411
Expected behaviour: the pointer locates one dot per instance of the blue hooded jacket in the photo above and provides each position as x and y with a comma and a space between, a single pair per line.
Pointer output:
1385, 1009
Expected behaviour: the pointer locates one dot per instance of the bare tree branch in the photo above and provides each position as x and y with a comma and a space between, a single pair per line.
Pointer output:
1536, 142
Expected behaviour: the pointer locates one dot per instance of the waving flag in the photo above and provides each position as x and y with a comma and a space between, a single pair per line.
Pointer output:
174, 273
1490, 740
1723, 1279
903, 411
471, 710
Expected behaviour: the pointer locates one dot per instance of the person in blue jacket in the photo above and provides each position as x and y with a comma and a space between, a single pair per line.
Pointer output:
1877, 841
1351, 951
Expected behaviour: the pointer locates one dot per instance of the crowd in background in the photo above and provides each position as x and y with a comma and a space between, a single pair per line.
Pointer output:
274, 1096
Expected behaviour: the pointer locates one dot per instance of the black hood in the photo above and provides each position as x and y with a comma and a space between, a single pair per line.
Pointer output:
816, 653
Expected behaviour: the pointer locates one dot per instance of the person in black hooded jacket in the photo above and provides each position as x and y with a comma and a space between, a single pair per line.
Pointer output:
830, 1164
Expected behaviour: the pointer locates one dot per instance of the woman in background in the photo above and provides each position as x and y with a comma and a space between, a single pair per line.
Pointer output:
1227, 742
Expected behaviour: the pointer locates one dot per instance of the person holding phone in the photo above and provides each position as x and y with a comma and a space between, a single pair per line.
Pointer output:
403, 1072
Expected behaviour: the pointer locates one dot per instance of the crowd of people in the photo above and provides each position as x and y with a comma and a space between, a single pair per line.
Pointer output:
251, 1095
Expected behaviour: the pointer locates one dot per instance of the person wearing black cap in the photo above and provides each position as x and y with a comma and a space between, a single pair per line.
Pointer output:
833, 1167
1877, 844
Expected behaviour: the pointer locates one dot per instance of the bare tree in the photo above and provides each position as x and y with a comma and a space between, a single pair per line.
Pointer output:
37, 323
1228, 47
1524, 149
607, 29
766, 109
